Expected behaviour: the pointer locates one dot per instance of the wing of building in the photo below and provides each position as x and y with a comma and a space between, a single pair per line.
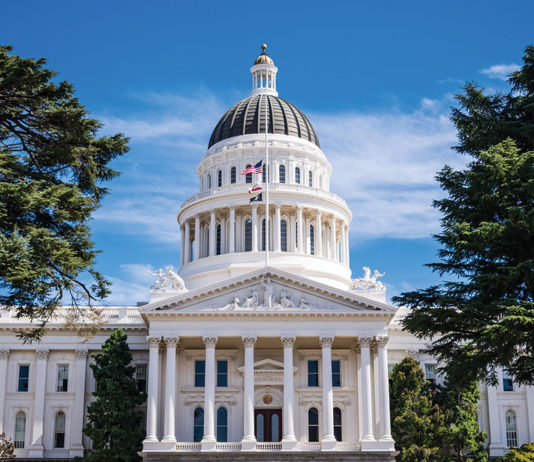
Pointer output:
246, 354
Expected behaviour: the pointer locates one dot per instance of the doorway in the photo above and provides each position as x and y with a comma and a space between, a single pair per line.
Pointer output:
268, 425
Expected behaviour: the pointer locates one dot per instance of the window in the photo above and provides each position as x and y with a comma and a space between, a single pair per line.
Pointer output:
264, 174
310, 179
248, 235
283, 235
282, 174
219, 178
337, 424
222, 373
336, 373
297, 175
209, 181
248, 176
222, 425
511, 430
140, 377
24, 378
313, 373
507, 381
59, 432
20, 430
233, 173
198, 424
263, 234
218, 249
62, 378
430, 373
312, 240
313, 424
200, 372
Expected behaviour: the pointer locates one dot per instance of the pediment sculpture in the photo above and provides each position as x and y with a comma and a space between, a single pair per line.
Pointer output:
168, 281
368, 282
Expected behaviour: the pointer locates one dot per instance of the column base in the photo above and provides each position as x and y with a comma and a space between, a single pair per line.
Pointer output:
208, 444
328, 444
76, 450
167, 444
151, 443
289, 444
36, 452
248, 444
385, 444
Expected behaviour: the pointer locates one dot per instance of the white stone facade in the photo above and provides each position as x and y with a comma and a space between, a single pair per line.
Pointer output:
237, 356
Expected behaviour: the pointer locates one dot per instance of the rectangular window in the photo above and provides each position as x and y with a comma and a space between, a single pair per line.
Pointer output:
313, 373
507, 381
24, 377
140, 377
336, 373
430, 373
222, 373
200, 373
62, 378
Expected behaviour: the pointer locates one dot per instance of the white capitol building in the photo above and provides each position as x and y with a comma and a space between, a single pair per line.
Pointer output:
245, 358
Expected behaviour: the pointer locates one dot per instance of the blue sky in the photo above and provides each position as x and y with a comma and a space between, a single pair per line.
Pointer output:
376, 79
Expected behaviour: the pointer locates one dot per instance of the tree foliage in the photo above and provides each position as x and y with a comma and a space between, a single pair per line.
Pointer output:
7, 448
52, 166
523, 454
482, 317
114, 424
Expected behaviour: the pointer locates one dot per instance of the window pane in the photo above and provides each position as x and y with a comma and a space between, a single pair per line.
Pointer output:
62, 378
336, 373
219, 178
222, 373
263, 234
312, 241
24, 377
337, 424
297, 175
20, 430
275, 434
282, 174
200, 368
232, 175
222, 425
511, 430
283, 235
313, 425
218, 246
248, 235
310, 179
260, 430
507, 381
140, 377
313, 373
209, 181
248, 176
60, 430
198, 425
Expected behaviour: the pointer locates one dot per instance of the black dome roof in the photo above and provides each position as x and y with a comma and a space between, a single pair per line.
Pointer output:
248, 117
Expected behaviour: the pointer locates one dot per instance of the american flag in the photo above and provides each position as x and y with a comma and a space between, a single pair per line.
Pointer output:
256, 169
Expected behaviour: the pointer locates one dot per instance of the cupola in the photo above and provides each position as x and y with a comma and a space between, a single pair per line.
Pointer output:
264, 74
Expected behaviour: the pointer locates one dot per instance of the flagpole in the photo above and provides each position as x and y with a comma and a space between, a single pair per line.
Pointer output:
267, 174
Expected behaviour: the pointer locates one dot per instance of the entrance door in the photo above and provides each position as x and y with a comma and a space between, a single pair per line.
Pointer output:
268, 424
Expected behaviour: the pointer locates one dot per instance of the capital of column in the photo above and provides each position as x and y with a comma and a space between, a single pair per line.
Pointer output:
326, 341
42, 354
288, 341
81, 354
4, 354
153, 342
210, 341
382, 341
171, 342
249, 340
366, 342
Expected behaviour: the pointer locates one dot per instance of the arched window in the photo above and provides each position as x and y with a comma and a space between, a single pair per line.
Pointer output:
312, 240
310, 179
209, 181
283, 235
263, 234
198, 425
511, 430
297, 175
337, 424
313, 424
233, 173
219, 178
222, 425
218, 249
248, 176
59, 432
20, 430
282, 174
248, 235
264, 173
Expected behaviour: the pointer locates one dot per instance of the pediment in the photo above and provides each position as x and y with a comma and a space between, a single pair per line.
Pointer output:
267, 292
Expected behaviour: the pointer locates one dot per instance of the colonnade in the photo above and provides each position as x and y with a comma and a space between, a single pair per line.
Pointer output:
369, 433
294, 229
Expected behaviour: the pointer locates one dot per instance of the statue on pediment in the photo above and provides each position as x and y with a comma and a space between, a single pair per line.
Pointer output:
268, 294
368, 282
252, 301
169, 281
285, 301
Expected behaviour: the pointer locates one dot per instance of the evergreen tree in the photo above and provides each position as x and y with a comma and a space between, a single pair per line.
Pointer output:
482, 317
523, 454
114, 423
52, 166
417, 423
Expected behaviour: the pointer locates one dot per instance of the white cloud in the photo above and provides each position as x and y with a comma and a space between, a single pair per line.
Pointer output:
500, 71
132, 287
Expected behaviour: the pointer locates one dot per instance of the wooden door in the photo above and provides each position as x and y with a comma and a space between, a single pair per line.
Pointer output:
268, 424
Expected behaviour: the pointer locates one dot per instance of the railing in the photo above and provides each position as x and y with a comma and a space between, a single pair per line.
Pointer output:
228, 447
268, 446
309, 446
188, 447
347, 446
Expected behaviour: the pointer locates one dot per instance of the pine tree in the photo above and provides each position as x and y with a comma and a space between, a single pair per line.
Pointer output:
417, 422
52, 166
114, 422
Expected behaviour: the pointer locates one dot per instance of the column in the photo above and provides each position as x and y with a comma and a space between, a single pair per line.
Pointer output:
197, 237
255, 228
212, 234
318, 235
169, 435
329, 441
496, 445
152, 395
333, 242
530, 410
367, 404
383, 393
209, 441
342, 243
36, 446
276, 229
187, 242
76, 443
288, 425
231, 240
4, 355
182, 246
347, 246
249, 439
300, 231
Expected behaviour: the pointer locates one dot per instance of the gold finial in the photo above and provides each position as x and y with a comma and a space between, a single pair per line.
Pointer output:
263, 47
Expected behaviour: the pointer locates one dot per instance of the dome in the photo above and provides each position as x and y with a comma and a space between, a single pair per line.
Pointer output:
248, 117
264, 58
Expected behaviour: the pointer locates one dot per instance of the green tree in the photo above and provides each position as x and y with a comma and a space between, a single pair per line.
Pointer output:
7, 448
417, 422
523, 454
52, 166
114, 423
482, 316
